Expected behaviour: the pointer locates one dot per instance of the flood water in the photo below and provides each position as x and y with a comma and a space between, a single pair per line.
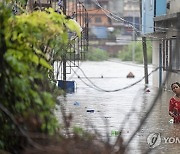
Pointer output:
110, 110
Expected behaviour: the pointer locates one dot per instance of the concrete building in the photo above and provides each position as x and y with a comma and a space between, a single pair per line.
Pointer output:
98, 20
161, 22
108, 21
131, 13
116, 7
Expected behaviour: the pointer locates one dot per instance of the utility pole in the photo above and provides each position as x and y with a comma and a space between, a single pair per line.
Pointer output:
144, 49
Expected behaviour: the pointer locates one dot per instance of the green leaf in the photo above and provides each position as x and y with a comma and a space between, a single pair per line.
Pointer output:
34, 58
73, 26
16, 65
44, 63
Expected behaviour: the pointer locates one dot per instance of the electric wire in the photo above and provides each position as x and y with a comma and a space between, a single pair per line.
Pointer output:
148, 112
130, 23
115, 90
121, 19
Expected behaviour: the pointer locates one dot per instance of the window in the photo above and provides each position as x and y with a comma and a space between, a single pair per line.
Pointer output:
170, 55
98, 20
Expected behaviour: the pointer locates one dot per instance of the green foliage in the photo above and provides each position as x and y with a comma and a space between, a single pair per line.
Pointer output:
126, 53
82, 133
96, 54
78, 130
73, 26
29, 42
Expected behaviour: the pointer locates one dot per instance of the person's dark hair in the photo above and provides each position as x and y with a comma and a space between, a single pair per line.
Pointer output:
175, 83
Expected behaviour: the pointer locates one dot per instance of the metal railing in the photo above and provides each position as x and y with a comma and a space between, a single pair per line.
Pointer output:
73, 9
76, 10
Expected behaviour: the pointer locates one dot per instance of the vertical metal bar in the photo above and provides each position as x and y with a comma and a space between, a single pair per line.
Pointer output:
144, 50
67, 8
154, 14
87, 35
81, 32
64, 7
167, 64
163, 54
133, 38
170, 54
64, 55
160, 65
70, 57
76, 44
78, 16
61, 71
64, 67
86, 32
76, 12
74, 52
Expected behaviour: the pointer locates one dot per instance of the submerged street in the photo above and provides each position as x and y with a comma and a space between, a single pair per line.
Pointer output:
90, 76
95, 109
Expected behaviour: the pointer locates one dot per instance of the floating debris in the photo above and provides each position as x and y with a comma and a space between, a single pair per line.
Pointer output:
90, 110
147, 90
115, 133
130, 75
171, 121
76, 103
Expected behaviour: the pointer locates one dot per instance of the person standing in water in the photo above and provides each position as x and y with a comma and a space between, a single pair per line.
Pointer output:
174, 103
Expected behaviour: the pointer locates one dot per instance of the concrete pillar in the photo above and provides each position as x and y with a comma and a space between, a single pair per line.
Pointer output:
155, 62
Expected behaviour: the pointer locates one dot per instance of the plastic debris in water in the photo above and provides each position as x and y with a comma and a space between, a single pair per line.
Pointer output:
90, 110
115, 133
76, 103
147, 90
130, 75
171, 121
107, 117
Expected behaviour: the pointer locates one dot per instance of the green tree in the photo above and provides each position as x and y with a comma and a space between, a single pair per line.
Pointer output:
29, 42
96, 54
126, 53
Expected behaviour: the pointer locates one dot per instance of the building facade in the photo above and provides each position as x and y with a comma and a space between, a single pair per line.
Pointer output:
98, 20
131, 13
161, 22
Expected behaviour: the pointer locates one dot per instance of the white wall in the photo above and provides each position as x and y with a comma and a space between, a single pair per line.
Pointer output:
174, 6
173, 77
155, 62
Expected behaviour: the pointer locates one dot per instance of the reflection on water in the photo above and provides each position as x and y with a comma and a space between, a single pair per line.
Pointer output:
109, 111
